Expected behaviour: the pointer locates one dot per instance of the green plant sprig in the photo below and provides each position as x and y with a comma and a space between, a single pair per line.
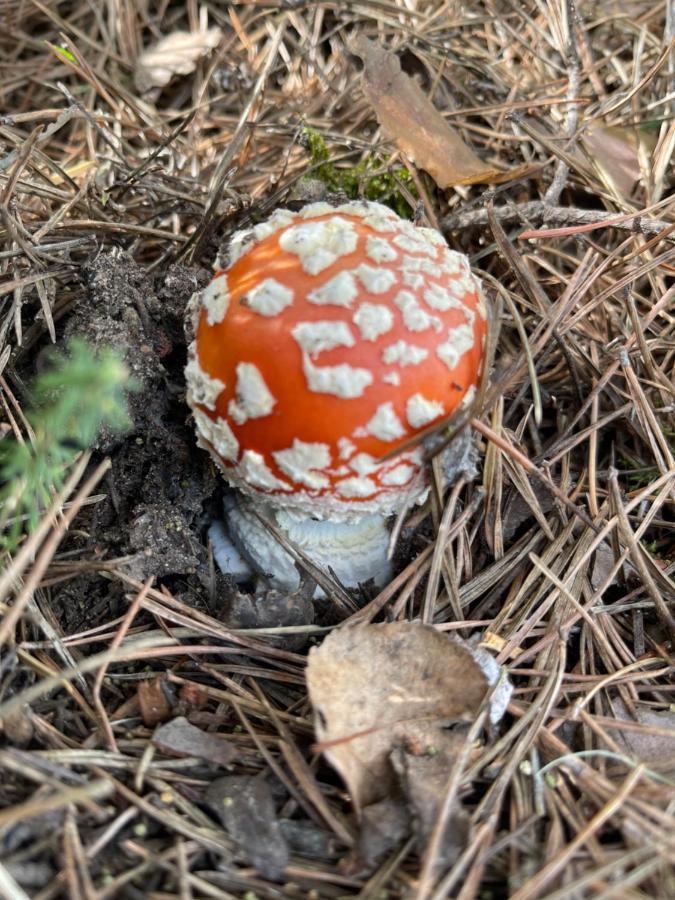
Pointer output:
367, 179
82, 392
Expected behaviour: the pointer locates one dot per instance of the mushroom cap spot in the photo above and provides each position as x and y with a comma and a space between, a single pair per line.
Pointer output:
203, 389
404, 354
413, 245
316, 337
341, 290
380, 250
444, 298
459, 340
399, 475
317, 260
319, 208
415, 317
343, 381
420, 411
215, 299
414, 280
346, 448
240, 243
373, 320
363, 464
381, 224
269, 298
217, 433
466, 283
469, 397
254, 398
356, 486
257, 474
302, 463
431, 236
330, 375
319, 243
412, 265
452, 261
375, 280
278, 220
385, 424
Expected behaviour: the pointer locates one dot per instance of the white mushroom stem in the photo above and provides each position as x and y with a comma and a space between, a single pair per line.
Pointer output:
355, 547
228, 558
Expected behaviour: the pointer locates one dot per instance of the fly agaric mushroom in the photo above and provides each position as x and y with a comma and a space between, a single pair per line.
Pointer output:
334, 335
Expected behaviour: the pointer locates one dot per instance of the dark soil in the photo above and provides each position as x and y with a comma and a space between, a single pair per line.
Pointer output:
161, 490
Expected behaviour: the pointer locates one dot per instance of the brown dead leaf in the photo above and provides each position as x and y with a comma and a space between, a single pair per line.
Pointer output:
245, 806
154, 702
424, 780
654, 743
175, 54
615, 151
384, 826
410, 119
272, 609
378, 687
192, 697
18, 726
179, 738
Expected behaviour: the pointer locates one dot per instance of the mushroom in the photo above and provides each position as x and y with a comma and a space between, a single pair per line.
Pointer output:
333, 336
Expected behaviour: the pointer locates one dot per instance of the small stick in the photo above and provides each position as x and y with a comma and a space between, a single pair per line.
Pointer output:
575, 220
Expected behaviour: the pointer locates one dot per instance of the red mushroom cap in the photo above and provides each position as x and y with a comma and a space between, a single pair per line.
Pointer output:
334, 335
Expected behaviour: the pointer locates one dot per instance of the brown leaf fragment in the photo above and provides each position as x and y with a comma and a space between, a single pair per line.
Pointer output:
384, 826
307, 839
154, 702
273, 609
192, 697
603, 563
377, 687
18, 726
517, 509
655, 749
179, 738
615, 151
410, 119
424, 781
245, 806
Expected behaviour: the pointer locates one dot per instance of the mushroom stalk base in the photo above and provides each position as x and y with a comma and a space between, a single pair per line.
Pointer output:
355, 548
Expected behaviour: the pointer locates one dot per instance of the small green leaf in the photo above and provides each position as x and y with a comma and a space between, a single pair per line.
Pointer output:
62, 51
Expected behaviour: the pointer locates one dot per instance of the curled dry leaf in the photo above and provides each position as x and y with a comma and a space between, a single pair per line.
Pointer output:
18, 726
376, 688
272, 609
180, 738
245, 806
424, 780
616, 153
384, 826
652, 744
154, 702
175, 54
410, 119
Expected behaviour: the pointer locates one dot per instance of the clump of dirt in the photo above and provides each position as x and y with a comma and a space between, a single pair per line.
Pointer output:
160, 490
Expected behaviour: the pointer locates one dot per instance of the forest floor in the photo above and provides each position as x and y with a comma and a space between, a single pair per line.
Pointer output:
156, 736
